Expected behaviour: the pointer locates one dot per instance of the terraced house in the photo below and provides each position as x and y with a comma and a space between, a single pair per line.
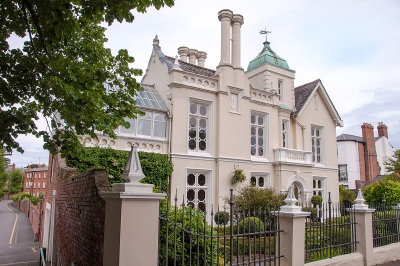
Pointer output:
212, 122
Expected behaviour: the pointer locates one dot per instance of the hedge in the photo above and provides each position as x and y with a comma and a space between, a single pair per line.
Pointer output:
157, 168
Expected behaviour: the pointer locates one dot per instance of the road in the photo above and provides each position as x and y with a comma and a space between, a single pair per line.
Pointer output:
16, 237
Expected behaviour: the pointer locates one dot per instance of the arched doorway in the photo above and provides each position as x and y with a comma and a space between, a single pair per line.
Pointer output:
299, 187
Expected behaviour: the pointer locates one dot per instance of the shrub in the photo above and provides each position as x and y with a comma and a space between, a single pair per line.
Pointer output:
191, 220
26, 196
346, 194
1, 194
15, 197
316, 200
251, 225
157, 168
221, 218
313, 211
374, 192
251, 200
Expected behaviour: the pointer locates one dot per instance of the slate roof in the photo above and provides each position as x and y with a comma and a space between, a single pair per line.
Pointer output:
193, 68
345, 137
302, 93
38, 169
184, 65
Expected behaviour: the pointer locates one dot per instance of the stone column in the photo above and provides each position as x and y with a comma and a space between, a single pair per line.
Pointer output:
225, 16
192, 56
237, 22
364, 229
131, 219
183, 52
292, 222
201, 58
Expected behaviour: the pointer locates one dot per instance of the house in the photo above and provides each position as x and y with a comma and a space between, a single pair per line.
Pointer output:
230, 118
35, 180
361, 159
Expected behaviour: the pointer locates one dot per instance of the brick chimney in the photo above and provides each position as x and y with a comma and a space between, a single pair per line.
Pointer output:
382, 130
371, 162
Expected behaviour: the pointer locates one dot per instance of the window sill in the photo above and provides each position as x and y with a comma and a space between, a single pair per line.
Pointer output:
259, 159
198, 153
319, 165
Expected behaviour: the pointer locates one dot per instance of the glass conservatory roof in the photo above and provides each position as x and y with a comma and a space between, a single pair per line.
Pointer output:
150, 98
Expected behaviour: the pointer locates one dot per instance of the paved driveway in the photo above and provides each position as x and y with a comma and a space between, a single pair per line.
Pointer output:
16, 237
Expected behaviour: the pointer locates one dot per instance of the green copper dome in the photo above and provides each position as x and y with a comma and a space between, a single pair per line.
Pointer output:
267, 56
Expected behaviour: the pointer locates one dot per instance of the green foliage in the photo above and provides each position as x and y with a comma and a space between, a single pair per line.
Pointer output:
64, 71
345, 194
251, 200
251, 225
191, 221
248, 246
16, 180
238, 176
1, 194
373, 193
157, 168
386, 226
221, 218
318, 240
26, 196
393, 164
313, 211
3, 179
316, 200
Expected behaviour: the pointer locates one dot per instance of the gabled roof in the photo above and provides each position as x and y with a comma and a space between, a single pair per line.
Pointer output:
348, 137
303, 94
184, 65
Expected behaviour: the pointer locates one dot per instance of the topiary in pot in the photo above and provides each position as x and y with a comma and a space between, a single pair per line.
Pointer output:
316, 200
221, 218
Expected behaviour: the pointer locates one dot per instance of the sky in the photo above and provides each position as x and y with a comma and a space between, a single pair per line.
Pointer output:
351, 45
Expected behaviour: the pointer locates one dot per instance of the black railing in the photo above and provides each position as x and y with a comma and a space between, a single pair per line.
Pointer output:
42, 257
330, 231
188, 236
385, 224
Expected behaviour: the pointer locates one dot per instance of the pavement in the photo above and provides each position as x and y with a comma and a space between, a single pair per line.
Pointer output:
17, 246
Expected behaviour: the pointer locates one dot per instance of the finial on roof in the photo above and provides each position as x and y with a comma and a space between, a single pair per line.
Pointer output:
176, 64
266, 34
156, 41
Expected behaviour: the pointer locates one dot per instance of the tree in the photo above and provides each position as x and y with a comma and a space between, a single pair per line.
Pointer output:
16, 177
64, 71
393, 164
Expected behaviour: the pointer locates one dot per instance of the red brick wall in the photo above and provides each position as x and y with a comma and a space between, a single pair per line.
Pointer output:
361, 154
34, 215
372, 167
80, 216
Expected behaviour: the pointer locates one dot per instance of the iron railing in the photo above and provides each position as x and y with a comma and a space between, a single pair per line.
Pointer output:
385, 224
188, 236
42, 257
330, 231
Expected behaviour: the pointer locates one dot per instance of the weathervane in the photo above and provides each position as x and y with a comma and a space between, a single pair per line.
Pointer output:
266, 34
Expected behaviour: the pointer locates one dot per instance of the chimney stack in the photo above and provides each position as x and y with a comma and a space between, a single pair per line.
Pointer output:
371, 161
192, 56
382, 130
201, 58
183, 52
225, 16
237, 22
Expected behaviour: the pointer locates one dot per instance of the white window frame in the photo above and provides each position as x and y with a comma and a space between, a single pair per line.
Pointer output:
323, 186
257, 175
44, 184
321, 138
286, 133
280, 89
209, 123
44, 175
265, 136
340, 173
38, 185
151, 136
208, 185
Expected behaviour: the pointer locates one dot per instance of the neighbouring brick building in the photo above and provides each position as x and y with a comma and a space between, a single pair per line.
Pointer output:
35, 180
361, 159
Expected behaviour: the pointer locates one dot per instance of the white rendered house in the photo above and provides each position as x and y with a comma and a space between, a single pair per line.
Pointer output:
214, 121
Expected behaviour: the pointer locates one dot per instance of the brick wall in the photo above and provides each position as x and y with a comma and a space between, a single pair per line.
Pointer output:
80, 216
372, 167
34, 215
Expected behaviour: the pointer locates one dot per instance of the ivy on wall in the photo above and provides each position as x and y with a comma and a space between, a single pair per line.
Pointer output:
157, 168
